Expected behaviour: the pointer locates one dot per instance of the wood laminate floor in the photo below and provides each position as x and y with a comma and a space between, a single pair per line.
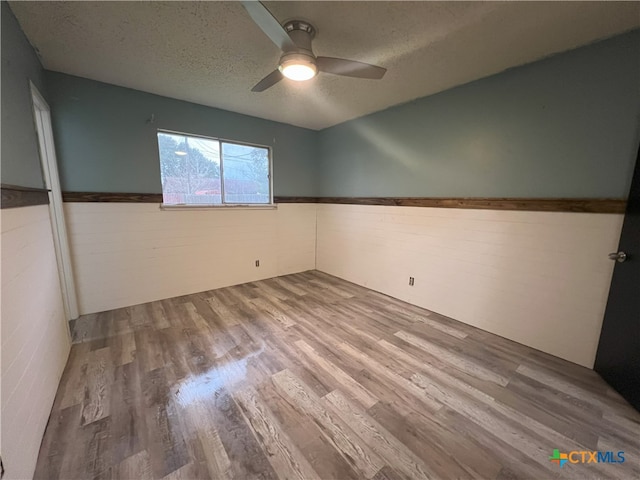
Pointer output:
310, 377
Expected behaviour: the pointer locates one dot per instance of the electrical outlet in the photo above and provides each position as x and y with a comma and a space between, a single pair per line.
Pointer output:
411, 281
257, 263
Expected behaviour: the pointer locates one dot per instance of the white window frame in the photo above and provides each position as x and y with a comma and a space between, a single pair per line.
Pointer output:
222, 205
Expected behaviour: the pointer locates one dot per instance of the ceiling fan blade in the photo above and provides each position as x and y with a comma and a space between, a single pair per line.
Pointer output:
268, 81
349, 68
269, 25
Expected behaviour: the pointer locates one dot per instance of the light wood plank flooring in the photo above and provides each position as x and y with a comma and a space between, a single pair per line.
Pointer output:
310, 377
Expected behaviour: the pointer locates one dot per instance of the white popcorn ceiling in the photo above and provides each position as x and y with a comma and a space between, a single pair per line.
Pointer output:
211, 53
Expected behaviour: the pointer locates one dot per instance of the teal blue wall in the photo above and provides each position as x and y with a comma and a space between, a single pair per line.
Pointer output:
105, 143
20, 159
566, 126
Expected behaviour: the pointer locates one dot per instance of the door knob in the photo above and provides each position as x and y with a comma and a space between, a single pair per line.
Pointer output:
619, 256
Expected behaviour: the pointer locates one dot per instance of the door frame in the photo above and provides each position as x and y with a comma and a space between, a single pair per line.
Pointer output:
42, 118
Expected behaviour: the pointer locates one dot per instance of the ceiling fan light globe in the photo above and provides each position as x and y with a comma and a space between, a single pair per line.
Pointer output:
299, 73
298, 67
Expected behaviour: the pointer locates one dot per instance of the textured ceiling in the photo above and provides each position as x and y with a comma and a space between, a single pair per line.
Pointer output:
212, 54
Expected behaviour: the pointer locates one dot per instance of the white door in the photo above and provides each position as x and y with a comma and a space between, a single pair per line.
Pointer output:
42, 116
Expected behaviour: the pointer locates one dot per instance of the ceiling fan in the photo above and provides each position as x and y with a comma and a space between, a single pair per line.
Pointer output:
298, 61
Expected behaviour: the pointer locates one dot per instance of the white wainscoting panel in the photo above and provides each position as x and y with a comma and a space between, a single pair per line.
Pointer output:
539, 278
35, 338
131, 253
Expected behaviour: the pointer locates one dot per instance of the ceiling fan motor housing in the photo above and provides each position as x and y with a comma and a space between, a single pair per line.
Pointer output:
302, 33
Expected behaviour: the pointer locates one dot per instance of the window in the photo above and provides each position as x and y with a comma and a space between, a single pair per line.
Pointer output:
207, 171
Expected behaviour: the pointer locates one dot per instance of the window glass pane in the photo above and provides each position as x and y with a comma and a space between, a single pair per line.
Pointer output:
246, 173
190, 169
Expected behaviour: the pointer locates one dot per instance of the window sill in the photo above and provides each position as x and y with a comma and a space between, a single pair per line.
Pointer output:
265, 206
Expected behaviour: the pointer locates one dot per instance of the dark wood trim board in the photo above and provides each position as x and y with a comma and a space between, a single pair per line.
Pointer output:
589, 205
14, 196
586, 205
112, 197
